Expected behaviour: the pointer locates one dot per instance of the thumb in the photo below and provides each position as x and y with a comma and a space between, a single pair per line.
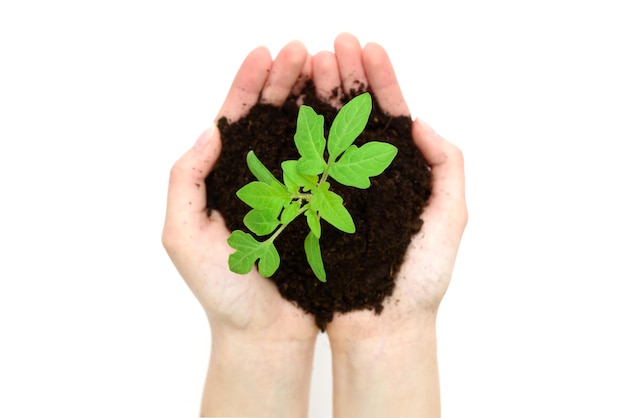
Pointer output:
447, 200
186, 196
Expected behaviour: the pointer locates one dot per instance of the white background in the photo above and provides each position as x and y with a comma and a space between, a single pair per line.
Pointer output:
98, 100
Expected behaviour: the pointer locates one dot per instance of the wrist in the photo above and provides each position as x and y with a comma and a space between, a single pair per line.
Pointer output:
274, 349
354, 329
258, 375
359, 344
387, 370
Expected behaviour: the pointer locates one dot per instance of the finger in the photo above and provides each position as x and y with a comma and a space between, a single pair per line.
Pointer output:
382, 80
247, 85
326, 78
284, 73
186, 195
348, 52
305, 75
448, 176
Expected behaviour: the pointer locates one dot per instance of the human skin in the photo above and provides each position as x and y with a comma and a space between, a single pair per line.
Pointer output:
262, 346
386, 364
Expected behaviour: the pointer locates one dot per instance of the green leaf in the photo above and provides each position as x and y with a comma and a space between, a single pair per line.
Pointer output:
261, 222
313, 220
314, 256
269, 197
310, 141
309, 136
259, 170
248, 250
357, 165
274, 205
330, 207
290, 212
348, 124
310, 167
269, 260
295, 180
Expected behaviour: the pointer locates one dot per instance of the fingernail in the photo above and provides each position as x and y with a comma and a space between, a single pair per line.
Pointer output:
204, 137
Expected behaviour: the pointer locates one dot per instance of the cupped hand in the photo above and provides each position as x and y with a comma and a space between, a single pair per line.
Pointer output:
196, 240
386, 364
425, 274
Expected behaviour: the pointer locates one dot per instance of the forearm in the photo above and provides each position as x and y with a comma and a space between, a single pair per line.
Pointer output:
392, 374
258, 377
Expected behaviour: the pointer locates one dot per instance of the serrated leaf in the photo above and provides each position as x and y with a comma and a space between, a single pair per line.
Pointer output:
309, 136
261, 222
290, 212
295, 180
310, 167
314, 256
329, 205
269, 261
262, 173
357, 165
269, 197
348, 124
313, 220
248, 250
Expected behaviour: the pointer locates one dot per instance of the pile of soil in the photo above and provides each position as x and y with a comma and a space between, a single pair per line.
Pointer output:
360, 267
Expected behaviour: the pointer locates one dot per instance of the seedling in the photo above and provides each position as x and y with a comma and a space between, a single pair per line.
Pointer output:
305, 189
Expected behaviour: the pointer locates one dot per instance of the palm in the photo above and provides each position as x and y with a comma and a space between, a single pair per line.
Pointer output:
425, 274
197, 243
243, 300
420, 284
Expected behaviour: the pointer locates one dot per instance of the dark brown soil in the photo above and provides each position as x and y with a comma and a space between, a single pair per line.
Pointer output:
360, 267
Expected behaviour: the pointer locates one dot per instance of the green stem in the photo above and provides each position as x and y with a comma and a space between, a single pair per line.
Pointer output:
283, 226
325, 172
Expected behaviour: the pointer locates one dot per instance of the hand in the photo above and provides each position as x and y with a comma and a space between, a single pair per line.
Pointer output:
262, 345
386, 365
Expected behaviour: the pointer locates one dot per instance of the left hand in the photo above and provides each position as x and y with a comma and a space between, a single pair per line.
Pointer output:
196, 241
262, 345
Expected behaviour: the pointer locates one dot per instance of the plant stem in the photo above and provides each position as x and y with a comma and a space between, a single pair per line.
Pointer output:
283, 226
325, 172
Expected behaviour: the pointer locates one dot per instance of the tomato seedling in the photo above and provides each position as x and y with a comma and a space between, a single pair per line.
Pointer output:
305, 189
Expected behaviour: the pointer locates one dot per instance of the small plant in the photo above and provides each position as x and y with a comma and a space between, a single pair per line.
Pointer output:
305, 189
